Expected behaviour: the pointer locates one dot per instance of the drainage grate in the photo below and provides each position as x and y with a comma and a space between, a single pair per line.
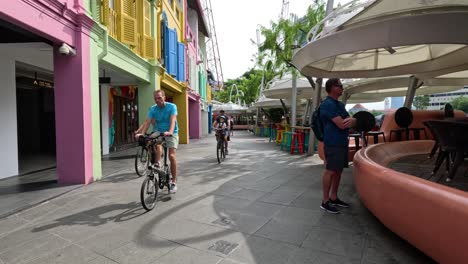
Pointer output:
223, 246
222, 221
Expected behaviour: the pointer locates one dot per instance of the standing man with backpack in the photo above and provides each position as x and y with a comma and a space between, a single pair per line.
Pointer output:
336, 122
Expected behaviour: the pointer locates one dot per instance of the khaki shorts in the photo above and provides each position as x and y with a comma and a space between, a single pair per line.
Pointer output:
172, 141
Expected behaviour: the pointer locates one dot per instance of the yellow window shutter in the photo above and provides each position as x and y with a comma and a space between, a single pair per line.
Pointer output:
105, 12
149, 51
149, 45
127, 23
146, 18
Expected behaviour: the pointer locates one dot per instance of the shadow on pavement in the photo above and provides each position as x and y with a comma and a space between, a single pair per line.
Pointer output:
94, 216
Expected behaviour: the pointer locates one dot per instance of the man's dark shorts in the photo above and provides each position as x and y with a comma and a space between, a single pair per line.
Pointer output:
336, 157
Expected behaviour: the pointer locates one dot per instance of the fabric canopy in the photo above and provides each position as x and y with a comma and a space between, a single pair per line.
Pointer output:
282, 89
389, 38
265, 102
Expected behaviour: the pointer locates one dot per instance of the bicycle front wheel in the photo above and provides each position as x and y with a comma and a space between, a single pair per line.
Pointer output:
141, 161
149, 193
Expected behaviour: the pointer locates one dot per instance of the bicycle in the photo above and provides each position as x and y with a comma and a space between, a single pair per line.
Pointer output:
152, 184
143, 157
220, 146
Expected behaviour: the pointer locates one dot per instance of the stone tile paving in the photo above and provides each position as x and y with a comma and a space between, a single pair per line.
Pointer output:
260, 206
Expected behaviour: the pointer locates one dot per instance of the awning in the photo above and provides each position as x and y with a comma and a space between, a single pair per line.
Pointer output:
388, 38
282, 89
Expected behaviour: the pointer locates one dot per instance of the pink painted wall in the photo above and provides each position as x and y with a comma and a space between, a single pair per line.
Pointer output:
64, 21
43, 20
194, 119
73, 114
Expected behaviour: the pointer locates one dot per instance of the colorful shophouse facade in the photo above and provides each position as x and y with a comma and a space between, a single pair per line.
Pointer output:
195, 33
48, 38
117, 53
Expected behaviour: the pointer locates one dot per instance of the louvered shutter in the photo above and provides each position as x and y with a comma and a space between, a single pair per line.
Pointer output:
148, 41
166, 47
128, 24
172, 52
181, 61
104, 12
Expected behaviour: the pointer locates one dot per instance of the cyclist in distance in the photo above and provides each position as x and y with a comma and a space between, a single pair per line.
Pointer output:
222, 120
163, 116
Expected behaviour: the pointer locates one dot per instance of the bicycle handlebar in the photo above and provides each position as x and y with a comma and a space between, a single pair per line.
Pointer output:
158, 139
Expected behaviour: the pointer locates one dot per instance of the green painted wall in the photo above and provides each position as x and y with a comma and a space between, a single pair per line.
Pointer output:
95, 111
145, 97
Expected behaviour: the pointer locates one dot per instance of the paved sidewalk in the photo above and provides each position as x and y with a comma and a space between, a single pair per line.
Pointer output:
260, 206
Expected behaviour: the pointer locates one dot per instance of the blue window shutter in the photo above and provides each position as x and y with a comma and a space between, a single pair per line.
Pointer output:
166, 47
172, 52
181, 61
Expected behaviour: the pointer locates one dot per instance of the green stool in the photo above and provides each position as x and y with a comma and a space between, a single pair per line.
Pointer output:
286, 142
306, 141
273, 135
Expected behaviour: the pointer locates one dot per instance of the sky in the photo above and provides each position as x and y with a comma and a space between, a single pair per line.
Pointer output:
236, 23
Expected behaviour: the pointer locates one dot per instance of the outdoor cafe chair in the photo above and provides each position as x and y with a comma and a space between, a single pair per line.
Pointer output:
452, 138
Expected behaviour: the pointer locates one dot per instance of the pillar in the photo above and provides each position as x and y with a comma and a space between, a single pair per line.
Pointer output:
181, 100
73, 114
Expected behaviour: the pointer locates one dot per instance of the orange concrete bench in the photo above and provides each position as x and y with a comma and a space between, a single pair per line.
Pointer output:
430, 216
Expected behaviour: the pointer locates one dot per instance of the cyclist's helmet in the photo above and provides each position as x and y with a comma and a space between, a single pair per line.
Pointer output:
222, 117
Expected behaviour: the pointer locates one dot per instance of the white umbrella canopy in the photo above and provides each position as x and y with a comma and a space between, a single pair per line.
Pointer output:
282, 89
378, 88
265, 102
388, 38
228, 107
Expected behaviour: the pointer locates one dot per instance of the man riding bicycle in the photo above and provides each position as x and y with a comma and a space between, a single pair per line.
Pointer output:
163, 116
222, 121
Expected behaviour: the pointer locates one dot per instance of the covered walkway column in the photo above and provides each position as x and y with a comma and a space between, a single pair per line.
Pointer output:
413, 85
73, 113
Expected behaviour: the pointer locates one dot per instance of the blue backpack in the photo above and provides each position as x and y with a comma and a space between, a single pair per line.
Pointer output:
317, 125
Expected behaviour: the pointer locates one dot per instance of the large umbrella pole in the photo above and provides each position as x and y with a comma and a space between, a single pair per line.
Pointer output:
317, 93
256, 122
293, 99
412, 86
315, 103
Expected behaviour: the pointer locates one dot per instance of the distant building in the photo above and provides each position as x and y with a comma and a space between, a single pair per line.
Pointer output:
387, 103
437, 101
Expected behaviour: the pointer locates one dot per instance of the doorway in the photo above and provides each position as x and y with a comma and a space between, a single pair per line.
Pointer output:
35, 110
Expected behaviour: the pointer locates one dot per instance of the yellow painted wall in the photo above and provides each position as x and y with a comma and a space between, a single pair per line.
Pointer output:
182, 117
172, 87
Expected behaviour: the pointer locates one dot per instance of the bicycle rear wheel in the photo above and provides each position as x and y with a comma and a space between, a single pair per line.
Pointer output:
149, 193
141, 161
223, 151
218, 151
223, 148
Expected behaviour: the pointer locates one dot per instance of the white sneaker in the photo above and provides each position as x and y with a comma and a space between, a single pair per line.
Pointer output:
173, 188
156, 166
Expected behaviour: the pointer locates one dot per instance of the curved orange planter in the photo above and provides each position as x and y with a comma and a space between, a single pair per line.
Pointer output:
430, 216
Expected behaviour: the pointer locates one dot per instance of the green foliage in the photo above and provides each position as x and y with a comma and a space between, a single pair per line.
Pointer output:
282, 37
460, 103
421, 102
377, 113
249, 83
275, 114
275, 54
